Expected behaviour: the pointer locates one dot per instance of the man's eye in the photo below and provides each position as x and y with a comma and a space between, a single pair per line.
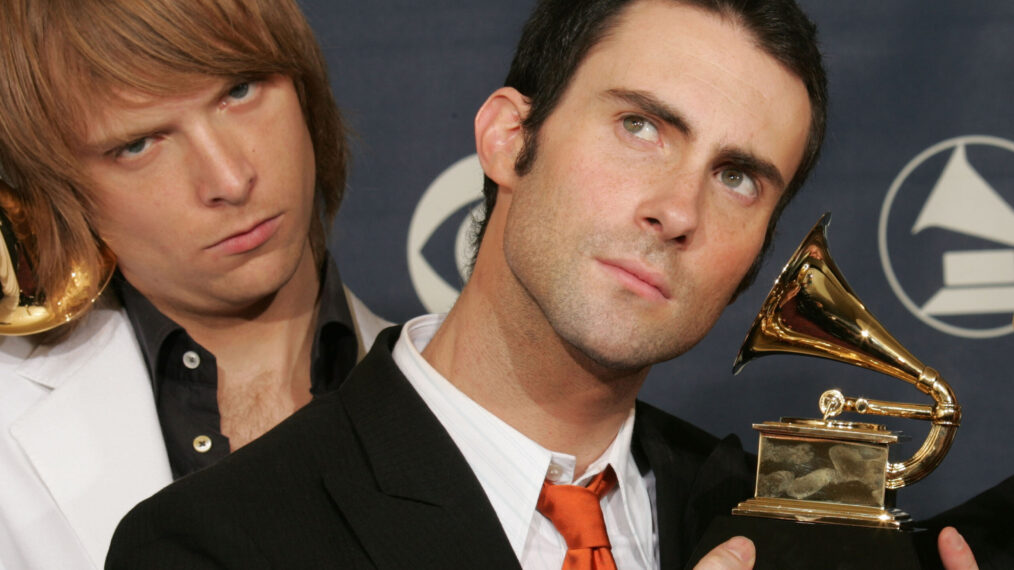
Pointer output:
738, 181
134, 148
240, 90
641, 128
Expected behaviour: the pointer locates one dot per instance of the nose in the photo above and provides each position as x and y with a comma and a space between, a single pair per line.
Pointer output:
672, 213
224, 172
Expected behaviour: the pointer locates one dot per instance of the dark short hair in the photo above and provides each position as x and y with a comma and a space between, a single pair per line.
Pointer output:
559, 33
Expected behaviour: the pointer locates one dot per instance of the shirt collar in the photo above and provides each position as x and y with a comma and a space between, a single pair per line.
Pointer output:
510, 467
153, 328
334, 322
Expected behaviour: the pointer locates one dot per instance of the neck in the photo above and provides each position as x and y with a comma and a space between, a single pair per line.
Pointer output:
262, 351
255, 393
497, 347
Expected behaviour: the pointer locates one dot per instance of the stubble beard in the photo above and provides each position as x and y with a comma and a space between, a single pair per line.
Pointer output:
610, 328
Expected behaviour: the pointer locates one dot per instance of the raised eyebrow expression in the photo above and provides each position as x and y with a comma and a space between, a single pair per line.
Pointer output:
736, 157
650, 105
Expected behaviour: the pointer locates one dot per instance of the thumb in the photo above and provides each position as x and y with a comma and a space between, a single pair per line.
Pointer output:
737, 553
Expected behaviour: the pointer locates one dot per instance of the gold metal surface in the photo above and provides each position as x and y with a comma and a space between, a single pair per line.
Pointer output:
842, 431
813, 512
24, 308
812, 311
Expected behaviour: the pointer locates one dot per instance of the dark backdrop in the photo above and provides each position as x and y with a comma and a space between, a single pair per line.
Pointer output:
921, 97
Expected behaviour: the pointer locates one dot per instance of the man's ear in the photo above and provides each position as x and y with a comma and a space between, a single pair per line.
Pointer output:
499, 136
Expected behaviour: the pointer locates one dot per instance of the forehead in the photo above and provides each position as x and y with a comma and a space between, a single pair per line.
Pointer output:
665, 38
708, 66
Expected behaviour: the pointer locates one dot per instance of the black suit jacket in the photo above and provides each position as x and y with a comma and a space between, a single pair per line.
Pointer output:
368, 478
987, 523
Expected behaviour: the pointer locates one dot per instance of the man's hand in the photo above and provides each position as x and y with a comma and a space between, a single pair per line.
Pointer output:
737, 553
954, 551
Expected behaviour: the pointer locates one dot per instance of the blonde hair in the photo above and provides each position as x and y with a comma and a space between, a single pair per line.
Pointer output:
59, 56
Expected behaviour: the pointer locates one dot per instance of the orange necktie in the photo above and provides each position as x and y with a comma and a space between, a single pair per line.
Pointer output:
576, 513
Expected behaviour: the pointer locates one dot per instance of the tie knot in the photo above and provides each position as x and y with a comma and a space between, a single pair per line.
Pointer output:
575, 511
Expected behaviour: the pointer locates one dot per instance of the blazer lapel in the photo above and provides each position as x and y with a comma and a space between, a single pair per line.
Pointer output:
420, 506
94, 441
696, 478
674, 474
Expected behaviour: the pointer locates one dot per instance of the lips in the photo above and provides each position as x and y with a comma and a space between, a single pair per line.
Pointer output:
248, 239
637, 277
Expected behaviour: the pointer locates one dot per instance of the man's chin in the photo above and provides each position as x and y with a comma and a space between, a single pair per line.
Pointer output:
625, 355
259, 277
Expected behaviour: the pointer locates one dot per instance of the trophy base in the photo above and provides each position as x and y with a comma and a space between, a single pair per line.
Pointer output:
816, 512
785, 545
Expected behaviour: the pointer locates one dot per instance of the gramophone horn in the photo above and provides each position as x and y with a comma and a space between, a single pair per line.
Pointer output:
26, 309
812, 311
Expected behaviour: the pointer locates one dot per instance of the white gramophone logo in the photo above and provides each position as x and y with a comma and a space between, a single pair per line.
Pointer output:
949, 256
454, 197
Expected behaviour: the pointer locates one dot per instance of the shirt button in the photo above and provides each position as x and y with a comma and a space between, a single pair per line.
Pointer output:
202, 444
554, 473
191, 359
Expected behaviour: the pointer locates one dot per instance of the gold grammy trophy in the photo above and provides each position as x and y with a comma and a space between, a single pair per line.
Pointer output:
827, 470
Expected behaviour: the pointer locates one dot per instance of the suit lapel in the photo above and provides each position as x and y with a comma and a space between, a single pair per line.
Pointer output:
426, 508
696, 478
94, 440
674, 474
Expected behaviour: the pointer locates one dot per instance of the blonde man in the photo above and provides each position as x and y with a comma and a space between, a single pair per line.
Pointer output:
198, 140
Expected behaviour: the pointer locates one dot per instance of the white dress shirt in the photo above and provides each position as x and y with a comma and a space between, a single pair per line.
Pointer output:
511, 468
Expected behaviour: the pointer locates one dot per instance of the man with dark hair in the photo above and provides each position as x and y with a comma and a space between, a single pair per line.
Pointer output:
544, 64
198, 141
630, 190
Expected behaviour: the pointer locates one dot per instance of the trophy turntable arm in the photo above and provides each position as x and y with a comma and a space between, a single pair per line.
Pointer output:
848, 404
945, 414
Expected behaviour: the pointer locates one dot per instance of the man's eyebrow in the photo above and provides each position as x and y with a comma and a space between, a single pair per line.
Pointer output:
115, 138
114, 141
651, 105
742, 159
752, 164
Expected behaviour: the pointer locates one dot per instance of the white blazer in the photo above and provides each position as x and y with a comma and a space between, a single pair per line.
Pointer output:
80, 442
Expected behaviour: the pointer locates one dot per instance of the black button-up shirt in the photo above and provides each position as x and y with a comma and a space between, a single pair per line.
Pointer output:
184, 375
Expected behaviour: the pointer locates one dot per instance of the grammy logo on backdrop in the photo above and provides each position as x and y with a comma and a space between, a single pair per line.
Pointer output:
946, 237
975, 281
